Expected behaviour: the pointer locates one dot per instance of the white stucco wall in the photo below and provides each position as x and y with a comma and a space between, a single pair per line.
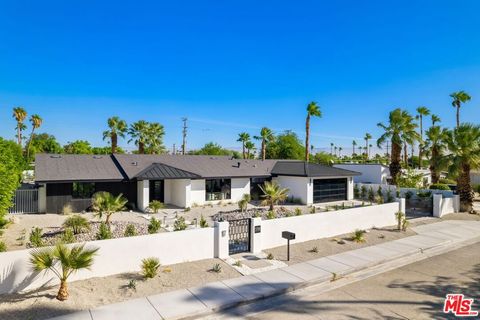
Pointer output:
114, 256
298, 187
180, 192
370, 173
42, 198
327, 224
143, 194
240, 186
197, 195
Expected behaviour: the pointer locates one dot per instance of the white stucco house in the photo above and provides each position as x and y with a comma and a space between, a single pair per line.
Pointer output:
182, 181
370, 172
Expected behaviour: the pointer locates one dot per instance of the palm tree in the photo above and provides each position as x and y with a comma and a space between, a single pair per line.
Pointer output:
409, 134
266, 135
313, 110
331, 147
273, 194
354, 143
154, 138
459, 98
138, 132
367, 137
464, 145
399, 122
435, 119
20, 115
421, 111
36, 122
436, 144
340, 151
369, 149
69, 259
335, 148
104, 203
250, 146
243, 137
360, 148
117, 127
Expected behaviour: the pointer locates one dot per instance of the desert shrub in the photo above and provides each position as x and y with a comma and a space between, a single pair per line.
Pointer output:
270, 256
400, 216
298, 211
150, 267
371, 195
312, 210
3, 246
36, 238
358, 236
314, 250
424, 194
156, 205
187, 209
77, 223
104, 232
356, 191
439, 186
67, 209
217, 268
390, 196
379, 199
271, 215
237, 263
380, 192
130, 230
132, 284
405, 224
154, 226
408, 195
179, 224
446, 181
363, 192
68, 236
242, 205
203, 222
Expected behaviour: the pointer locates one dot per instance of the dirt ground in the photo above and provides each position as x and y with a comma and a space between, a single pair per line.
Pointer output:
85, 294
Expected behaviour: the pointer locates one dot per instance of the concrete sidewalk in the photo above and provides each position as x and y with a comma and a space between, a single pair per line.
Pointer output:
216, 296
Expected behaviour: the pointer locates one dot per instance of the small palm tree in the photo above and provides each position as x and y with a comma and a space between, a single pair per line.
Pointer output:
156, 205
250, 146
459, 98
266, 136
20, 115
464, 145
69, 259
117, 128
104, 203
313, 110
138, 132
36, 122
367, 137
243, 137
273, 194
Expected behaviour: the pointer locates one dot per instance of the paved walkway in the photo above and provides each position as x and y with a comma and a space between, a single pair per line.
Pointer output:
223, 294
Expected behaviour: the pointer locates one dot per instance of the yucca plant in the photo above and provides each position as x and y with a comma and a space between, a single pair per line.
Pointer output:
156, 205
78, 224
203, 222
154, 225
63, 261
104, 232
130, 230
179, 224
36, 238
400, 216
150, 267
359, 236
104, 203
68, 236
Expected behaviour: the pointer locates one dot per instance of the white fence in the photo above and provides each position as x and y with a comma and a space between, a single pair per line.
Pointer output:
443, 206
25, 201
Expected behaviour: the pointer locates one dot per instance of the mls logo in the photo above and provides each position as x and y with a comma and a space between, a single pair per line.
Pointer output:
459, 306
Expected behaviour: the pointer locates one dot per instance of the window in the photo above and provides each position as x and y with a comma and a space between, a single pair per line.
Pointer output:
83, 190
218, 189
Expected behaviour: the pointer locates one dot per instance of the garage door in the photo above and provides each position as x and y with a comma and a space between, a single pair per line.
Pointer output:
325, 190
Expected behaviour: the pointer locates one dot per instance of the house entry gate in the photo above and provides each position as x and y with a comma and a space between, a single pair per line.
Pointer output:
239, 236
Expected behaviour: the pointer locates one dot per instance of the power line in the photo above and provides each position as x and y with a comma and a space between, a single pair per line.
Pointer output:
184, 133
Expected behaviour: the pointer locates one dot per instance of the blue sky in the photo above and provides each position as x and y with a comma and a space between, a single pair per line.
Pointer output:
231, 66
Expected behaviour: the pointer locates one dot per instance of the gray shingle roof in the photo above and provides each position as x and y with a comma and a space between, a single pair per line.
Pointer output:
70, 167
304, 169
163, 171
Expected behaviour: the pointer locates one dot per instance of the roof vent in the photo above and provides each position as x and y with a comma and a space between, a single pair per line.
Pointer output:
134, 163
55, 156
238, 164
97, 157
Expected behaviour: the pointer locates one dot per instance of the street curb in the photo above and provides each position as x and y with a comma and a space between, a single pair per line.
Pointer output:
350, 276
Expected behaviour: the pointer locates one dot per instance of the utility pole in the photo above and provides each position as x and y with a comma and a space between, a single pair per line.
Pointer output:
184, 133
174, 149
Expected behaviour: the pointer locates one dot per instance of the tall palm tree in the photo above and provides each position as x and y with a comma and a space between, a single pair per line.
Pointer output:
369, 149
421, 112
154, 141
266, 136
399, 123
36, 122
409, 134
354, 143
335, 148
313, 110
435, 119
331, 147
117, 128
459, 98
243, 137
273, 194
464, 145
138, 132
436, 147
367, 137
69, 259
20, 115
104, 203
340, 151
250, 146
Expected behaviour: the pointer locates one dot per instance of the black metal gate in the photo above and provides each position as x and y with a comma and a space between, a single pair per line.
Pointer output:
239, 233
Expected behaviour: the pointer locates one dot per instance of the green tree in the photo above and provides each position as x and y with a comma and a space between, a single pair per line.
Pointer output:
273, 194
436, 147
286, 146
43, 143
250, 146
214, 149
20, 115
409, 134
457, 99
464, 145
104, 203
243, 137
313, 110
69, 259
154, 142
107, 150
11, 166
421, 112
323, 158
266, 136
138, 132
78, 147
435, 119
354, 143
36, 122
116, 128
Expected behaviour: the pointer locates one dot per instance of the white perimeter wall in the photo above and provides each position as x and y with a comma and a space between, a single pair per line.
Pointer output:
370, 173
327, 224
114, 256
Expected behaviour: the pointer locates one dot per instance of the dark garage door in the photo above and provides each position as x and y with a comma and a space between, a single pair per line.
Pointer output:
325, 190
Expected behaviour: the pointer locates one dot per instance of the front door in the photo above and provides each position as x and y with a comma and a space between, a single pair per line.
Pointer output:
157, 190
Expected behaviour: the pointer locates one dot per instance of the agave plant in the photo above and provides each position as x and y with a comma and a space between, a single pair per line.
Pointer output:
63, 261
